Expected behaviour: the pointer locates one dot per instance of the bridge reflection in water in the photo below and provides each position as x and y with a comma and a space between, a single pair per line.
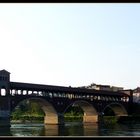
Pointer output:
5, 131
51, 130
69, 129
72, 129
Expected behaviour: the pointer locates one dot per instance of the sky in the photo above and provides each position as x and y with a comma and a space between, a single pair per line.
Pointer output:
71, 44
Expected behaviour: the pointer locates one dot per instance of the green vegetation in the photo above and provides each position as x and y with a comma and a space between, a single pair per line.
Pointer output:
28, 111
109, 120
74, 113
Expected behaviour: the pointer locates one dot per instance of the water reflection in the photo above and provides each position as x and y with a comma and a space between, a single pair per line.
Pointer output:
120, 130
91, 129
72, 129
50, 130
5, 131
69, 129
26, 129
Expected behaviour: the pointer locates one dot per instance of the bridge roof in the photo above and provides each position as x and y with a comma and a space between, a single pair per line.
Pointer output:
4, 71
52, 88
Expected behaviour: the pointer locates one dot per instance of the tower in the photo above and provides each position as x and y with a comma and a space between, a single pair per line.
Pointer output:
4, 98
4, 83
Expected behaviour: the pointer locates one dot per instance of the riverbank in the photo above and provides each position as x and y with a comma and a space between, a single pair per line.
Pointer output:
40, 119
26, 121
105, 119
109, 120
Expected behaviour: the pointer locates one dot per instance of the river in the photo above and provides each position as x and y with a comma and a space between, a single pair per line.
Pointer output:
71, 129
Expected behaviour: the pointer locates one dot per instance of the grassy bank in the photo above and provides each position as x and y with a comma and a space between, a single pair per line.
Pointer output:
73, 118
27, 118
30, 118
109, 120
26, 121
121, 119
67, 118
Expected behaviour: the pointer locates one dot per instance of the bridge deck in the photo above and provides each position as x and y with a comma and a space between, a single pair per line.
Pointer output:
52, 88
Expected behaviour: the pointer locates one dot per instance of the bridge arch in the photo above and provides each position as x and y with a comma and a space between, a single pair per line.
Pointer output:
118, 109
51, 115
90, 112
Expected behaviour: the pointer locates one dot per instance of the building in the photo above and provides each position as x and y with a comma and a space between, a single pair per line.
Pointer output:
136, 95
103, 87
114, 88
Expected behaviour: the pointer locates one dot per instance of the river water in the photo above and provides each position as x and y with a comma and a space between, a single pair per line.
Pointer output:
71, 129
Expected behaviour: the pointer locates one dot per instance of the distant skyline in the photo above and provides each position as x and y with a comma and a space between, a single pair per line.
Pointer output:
71, 44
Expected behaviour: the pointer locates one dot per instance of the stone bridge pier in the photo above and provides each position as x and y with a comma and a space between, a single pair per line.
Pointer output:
4, 98
4, 112
52, 115
54, 119
90, 118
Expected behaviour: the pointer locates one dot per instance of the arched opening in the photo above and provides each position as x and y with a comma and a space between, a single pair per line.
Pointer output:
82, 109
35, 109
112, 112
115, 109
27, 111
109, 112
74, 113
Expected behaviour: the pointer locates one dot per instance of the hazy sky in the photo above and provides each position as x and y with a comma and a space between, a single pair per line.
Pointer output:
71, 44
